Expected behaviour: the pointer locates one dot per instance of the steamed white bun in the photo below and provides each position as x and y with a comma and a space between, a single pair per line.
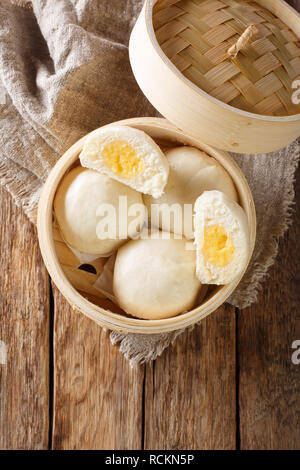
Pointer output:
190, 173
78, 206
221, 237
155, 278
127, 155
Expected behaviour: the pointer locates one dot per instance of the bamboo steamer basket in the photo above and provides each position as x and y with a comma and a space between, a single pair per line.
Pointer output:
77, 285
237, 102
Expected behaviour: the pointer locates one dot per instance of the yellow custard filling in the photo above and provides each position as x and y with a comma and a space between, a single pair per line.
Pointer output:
122, 159
217, 247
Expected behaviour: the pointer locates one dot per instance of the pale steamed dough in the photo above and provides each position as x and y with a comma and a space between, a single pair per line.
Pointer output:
221, 237
127, 155
81, 193
155, 279
191, 172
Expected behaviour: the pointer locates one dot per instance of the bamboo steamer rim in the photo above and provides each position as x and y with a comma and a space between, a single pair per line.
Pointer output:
104, 317
148, 10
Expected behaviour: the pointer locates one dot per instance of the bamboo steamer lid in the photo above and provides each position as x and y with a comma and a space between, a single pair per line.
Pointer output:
222, 70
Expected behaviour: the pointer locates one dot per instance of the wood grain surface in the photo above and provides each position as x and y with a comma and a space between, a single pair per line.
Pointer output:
97, 396
228, 383
190, 395
24, 329
269, 383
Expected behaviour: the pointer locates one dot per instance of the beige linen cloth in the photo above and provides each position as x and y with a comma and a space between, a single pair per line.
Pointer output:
64, 71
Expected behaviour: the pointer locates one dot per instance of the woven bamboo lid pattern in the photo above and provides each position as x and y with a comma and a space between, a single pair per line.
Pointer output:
196, 35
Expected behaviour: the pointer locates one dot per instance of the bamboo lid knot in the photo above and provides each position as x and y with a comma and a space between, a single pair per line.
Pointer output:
243, 41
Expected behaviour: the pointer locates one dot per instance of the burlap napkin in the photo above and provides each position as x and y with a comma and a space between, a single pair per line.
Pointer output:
64, 70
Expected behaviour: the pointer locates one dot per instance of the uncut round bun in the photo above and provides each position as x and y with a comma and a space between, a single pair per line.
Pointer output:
155, 278
191, 172
80, 195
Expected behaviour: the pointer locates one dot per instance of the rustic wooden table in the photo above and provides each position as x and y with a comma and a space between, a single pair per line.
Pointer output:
228, 384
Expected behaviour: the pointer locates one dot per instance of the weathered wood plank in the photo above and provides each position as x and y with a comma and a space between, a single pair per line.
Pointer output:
97, 397
24, 329
190, 399
269, 382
